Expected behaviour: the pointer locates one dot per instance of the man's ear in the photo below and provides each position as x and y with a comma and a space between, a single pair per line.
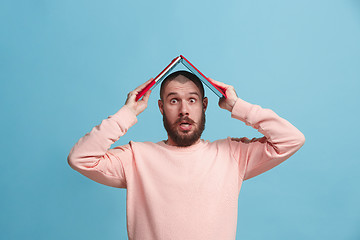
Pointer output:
161, 106
205, 103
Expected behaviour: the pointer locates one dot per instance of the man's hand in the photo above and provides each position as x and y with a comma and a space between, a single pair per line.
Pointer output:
138, 106
231, 97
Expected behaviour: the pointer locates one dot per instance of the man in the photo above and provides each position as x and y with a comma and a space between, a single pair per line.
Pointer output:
184, 187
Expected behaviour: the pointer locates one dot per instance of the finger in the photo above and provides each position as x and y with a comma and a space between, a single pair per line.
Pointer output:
219, 83
221, 103
143, 85
146, 96
131, 96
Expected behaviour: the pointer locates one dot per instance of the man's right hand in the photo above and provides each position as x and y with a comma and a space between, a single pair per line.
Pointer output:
138, 106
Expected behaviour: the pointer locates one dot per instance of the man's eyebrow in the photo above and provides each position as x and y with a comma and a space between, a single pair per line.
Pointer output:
170, 94
195, 93
175, 93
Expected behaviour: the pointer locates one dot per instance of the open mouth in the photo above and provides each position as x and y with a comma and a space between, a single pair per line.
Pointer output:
185, 126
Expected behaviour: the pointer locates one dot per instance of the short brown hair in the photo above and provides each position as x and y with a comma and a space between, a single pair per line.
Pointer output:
192, 77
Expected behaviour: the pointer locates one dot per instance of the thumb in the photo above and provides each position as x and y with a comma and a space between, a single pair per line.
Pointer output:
146, 96
221, 102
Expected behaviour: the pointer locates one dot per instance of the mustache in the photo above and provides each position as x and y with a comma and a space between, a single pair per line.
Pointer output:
185, 118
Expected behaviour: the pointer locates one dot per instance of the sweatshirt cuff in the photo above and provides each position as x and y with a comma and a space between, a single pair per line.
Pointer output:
125, 118
241, 110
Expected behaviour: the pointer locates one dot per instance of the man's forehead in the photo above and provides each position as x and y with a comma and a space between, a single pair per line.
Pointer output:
180, 88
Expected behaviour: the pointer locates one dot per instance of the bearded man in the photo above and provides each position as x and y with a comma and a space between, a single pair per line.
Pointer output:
183, 187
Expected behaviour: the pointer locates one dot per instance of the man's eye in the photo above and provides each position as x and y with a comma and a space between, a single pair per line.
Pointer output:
192, 100
173, 101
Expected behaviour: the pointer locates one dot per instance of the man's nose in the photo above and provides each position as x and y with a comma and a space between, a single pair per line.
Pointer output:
184, 108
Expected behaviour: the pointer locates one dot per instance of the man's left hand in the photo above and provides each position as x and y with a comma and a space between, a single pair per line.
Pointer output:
231, 96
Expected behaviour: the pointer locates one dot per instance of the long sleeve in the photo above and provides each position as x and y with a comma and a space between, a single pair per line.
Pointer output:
281, 139
91, 155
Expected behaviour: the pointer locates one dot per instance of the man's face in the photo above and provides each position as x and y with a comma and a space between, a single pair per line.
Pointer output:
183, 112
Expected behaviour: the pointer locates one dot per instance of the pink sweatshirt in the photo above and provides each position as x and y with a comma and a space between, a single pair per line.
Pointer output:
184, 193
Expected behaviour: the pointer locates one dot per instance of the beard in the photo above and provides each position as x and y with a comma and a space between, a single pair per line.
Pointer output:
185, 138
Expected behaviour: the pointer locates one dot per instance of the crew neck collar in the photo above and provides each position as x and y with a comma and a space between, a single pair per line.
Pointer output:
193, 147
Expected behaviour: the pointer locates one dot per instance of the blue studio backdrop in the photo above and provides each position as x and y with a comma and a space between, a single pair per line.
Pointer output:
67, 65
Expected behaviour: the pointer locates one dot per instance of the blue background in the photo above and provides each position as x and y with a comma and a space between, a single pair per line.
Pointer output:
67, 65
